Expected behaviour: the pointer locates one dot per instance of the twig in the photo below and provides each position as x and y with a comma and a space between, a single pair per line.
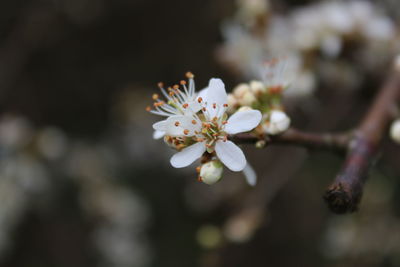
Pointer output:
345, 193
297, 137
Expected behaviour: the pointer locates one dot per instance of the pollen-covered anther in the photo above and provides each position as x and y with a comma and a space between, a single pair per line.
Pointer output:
177, 123
199, 178
182, 82
171, 93
199, 99
148, 108
215, 119
185, 105
194, 122
160, 85
189, 75
160, 103
224, 122
215, 134
204, 109
176, 87
198, 168
155, 96
214, 105
225, 105
186, 132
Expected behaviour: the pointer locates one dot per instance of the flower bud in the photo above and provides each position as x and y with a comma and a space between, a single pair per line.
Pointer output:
395, 131
211, 172
247, 99
278, 122
240, 90
244, 108
257, 87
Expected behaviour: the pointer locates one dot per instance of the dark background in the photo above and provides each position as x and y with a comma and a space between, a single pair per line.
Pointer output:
88, 68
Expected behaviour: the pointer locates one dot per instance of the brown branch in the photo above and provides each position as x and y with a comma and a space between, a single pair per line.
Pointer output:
292, 136
345, 193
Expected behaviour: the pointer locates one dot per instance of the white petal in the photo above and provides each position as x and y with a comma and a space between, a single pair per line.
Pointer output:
203, 94
216, 94
158, 134
243, 121
188, 155
230, 155
160, 126
176, 125
250, 174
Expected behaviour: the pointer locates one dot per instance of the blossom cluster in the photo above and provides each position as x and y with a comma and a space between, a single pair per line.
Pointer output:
318, 36
199, 124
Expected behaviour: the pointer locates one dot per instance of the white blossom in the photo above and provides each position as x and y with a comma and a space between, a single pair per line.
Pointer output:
209, 130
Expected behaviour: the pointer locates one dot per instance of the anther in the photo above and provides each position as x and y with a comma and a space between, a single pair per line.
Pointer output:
189, 75
199, 179
194, 122
224, 122
148, 108
186, 132
198, 169
204, 109
175, 87
183, 82
177, 123
225, 105
214, 105
185, 105
199, 99
155, 96
160, 84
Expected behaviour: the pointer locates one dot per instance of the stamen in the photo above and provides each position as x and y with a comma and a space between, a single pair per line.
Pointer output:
157, 104
199, 99
148, 108
155, 96
176, 87
185, 105
160, 84
186, 131
183, 82
194, 121
177, 123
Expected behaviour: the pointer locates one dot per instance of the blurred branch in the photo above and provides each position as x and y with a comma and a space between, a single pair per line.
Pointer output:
345, 193
297, 137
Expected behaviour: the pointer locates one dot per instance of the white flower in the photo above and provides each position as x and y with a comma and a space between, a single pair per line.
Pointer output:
211, 172
278, 74
179, 101
210, 129
278, 122
395, 131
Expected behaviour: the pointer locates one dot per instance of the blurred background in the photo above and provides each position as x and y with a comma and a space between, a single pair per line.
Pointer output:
83, 183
